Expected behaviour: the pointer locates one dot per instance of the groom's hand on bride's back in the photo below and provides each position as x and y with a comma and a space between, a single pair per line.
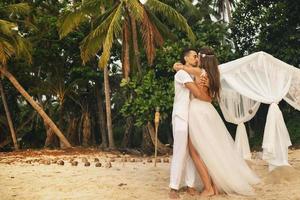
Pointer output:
203, 81
198, 93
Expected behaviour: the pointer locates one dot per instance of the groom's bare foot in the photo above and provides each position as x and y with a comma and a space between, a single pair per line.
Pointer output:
207, 192
192, 191
173, 194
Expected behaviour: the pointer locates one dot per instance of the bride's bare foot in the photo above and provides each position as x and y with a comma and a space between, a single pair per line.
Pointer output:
173, 194
192, 191
208, 192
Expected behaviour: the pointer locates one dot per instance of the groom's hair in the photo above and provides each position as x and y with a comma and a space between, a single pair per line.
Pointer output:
185, 52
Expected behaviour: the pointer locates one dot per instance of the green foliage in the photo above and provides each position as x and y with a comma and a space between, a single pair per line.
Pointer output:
148, 94
294, 129
271, 26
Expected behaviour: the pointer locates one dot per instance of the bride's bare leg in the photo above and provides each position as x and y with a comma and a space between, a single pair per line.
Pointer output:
216, 191
202, 170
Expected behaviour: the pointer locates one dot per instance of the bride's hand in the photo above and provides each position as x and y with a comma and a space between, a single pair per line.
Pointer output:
178, 66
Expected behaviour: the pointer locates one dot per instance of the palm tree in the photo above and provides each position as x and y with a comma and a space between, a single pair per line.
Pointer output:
120, 20
8, 116
221, 5
13, 44
61, 89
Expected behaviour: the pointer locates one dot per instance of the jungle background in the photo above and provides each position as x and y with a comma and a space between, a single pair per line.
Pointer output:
97, 70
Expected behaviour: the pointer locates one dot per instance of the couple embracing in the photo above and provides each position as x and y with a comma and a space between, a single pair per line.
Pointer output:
202, 144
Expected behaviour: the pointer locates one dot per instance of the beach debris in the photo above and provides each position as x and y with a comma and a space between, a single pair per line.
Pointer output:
96, 159
158, 160
28, 161
108, 165
98, 164
149, 160
86, 164
74, 163
132, 160
166, 160
122, 184
60, 162
54, 161
84, 159
45, 162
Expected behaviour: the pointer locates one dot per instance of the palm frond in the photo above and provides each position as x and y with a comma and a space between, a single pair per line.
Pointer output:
135, 9
172, 15
7, 28
69, 21
12, 43
23, 48
94, 7
193, 11
113, 31
93, 42
162, 28
19, 8
151, 36
6, 51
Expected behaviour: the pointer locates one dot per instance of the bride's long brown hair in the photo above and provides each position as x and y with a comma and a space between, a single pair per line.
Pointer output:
210, 63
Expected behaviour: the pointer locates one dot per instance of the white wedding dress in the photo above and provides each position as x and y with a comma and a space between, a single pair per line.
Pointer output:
214, 144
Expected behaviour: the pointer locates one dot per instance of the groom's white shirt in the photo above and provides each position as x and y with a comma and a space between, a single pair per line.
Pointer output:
182, 95
182, 164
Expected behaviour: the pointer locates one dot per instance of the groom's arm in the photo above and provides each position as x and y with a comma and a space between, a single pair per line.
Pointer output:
197, 93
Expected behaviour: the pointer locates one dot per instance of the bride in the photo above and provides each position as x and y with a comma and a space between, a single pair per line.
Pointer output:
210, 143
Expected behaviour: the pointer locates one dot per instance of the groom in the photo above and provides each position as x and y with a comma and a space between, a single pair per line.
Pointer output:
181, 161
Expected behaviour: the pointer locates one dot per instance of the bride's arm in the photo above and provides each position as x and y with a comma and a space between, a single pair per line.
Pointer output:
191, 70
199, 93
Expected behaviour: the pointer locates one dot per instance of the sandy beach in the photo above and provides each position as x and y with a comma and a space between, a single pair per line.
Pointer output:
54, 175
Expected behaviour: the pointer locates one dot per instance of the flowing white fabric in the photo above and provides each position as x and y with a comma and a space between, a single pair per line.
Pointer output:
215, 146
263, 78
293, 96
278, 135
238, 109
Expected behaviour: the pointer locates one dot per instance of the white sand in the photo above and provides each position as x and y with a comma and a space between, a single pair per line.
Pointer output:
124, 180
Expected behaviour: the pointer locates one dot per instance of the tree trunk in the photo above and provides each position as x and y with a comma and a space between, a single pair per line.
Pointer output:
86, 131
125, 50
30, 100
72, 130
108, 109
135, 44
161, 148
147, 145
101, 117
61, 122
8, 116
127, 133
228, 10
50, 139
